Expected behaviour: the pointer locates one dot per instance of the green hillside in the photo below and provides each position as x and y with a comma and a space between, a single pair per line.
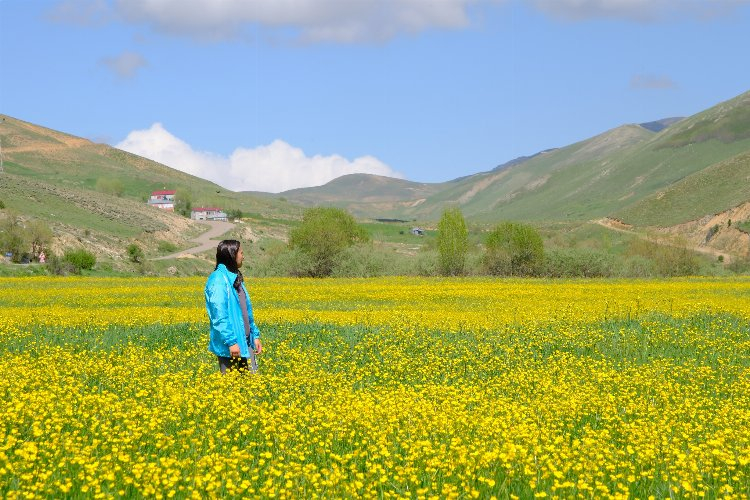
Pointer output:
72, 207
728, 122
93, 196
364, 188
610, 174
724, 185
76, 169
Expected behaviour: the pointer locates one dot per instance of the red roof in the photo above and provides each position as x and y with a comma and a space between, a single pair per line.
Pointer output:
201, 209
162, 192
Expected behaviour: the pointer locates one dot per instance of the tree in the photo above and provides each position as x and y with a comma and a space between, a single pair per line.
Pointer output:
453, 242
135, 253
80, 259
39, 236
514, 249
183, 201
13, 237
324, 233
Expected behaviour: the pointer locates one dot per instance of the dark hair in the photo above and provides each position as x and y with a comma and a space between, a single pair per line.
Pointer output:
226, 253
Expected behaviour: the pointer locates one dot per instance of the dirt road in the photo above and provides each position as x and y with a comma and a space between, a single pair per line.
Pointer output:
205, 241
614, 226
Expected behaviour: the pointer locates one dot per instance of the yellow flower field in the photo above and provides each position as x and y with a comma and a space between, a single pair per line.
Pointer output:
384, 388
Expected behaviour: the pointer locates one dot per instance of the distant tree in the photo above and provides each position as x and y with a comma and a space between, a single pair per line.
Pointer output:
514, 249
324, 233
39, 236
2, 205
80, 259
13, 236
59, 266
135, 253
235, 213
183, 202
452, 242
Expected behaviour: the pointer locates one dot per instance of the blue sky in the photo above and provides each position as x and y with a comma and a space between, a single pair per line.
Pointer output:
270, 95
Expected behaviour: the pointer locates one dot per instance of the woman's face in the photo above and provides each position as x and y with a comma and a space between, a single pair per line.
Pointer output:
239, 257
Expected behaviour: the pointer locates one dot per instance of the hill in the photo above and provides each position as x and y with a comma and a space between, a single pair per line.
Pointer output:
612, 174
93, 195
49, 156
675, 174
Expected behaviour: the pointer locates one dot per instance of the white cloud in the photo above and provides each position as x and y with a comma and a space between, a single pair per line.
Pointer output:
273, 168
304, 20
126, 65
80, 12
635, 10
652, 82
351, 21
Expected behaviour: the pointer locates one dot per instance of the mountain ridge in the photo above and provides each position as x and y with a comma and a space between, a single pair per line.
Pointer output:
597, 177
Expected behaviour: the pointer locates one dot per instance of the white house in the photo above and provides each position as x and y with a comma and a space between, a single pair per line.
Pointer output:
208, 214
162, 199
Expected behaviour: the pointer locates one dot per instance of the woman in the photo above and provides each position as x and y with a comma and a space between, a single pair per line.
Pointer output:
230, 313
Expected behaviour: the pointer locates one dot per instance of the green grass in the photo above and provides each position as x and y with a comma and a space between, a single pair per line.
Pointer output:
397, 232
728, 122
585, 236
709, 191
621, 383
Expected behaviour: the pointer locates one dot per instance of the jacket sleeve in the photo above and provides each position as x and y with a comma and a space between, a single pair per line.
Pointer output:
218, 312
254, 331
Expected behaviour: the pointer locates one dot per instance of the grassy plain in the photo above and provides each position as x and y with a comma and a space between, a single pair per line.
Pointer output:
379, 388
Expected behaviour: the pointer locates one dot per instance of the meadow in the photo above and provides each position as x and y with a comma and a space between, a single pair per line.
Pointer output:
378, 388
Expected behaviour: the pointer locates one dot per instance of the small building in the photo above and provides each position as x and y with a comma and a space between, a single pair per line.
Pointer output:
208, 214
417, 231
162, 199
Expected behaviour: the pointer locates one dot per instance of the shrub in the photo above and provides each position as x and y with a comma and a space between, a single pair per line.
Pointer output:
167, 247
740, 265
13, 237
80, 259
514, 249
59, 266
39, 236
183, 202
668, 260
324, 233
637, 266
135, 253
428, 263
281, 262
711, 232
452, 242
367, 260
581, 263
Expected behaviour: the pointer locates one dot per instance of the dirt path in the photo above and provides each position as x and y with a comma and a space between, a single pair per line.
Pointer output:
205, 241
616, 226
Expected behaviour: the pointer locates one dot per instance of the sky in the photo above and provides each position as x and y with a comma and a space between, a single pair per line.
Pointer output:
271, 95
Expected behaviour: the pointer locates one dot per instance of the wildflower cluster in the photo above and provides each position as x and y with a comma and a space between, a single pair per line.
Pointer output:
386, 388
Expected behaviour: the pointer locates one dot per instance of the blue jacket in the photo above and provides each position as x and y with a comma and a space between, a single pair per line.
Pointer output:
225, 314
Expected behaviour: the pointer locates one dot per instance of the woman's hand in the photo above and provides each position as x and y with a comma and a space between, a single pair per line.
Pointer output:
234, 351
258, 346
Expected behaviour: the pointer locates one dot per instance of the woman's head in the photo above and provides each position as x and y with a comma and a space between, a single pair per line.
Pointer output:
230, 254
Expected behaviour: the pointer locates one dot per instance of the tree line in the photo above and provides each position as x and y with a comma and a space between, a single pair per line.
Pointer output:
329, 242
